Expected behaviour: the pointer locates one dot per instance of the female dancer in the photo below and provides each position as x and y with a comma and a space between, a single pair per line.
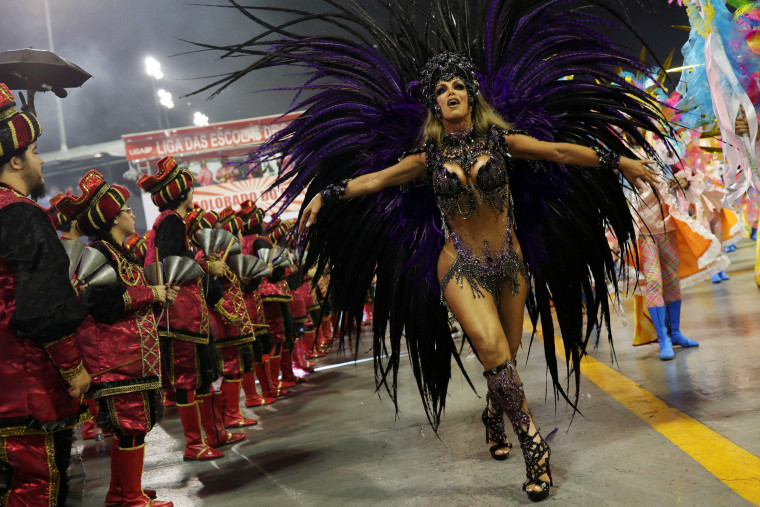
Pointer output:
484, 225
467, 159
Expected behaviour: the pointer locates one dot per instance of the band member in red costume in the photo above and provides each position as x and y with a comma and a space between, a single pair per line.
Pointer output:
276, 296
236, 335
188, 363
251, 217
42, 372
120, 342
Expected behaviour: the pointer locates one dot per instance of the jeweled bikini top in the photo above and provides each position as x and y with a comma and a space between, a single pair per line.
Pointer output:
491, 180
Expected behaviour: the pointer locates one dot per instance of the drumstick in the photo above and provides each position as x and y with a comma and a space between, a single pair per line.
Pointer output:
112, 368
227, 251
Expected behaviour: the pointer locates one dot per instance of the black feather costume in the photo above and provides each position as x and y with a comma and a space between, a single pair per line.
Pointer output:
546, 68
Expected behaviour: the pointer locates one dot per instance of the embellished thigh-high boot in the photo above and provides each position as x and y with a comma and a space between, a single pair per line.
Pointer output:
506, 391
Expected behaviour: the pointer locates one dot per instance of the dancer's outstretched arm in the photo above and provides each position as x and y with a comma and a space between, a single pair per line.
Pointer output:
526, 147
408, 169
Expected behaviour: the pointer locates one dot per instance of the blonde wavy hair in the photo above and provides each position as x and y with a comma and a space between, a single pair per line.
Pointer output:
483, 118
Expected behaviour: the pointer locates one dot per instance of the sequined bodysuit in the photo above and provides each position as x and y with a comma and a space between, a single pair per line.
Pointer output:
472, 208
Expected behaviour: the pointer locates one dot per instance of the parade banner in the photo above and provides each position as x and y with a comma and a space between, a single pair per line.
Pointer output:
217, 197
198, 140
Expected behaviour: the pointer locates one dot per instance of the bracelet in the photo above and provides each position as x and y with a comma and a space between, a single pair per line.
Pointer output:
72, 373
128, 301
334, 192
155, 293
607, 159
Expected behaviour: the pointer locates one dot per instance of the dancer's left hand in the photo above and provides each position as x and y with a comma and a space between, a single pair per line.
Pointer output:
638, 172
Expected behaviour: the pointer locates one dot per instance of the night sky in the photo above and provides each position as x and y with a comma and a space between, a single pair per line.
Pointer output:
111, 38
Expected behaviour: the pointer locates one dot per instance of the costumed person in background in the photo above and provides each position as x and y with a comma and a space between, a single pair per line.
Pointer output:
255, 243
69, 232
196, 220
135, 244
672, 247
481, 212
42, 374
188, 361
119, 341
275, 296
250, 218
235, 335
277, 233
300, 288
67, 228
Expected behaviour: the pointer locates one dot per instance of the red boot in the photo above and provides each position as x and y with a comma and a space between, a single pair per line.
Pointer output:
274, 374
113, 497
129, 465
252, 398
196, 449
212, 409
324, 341
298, 357
312, 350
232, 415
170, 398
262, 373
289, 378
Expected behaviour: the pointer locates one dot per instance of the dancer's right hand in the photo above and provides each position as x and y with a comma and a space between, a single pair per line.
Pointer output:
309, 216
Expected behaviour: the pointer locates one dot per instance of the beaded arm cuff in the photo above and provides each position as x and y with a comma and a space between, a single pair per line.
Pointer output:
335, 192
607, 159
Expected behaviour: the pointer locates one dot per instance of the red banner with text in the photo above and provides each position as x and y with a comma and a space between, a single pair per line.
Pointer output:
217, 197
199, 140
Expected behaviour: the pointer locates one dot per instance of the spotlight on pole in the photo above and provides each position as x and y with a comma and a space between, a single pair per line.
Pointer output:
165, 98
200, 119
153, 68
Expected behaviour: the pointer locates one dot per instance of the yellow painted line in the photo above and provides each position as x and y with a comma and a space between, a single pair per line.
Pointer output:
734, 466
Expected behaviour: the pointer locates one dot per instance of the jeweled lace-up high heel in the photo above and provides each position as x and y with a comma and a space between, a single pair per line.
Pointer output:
506, 391
493, 419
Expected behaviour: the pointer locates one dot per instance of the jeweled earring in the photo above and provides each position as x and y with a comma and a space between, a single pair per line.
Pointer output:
437, 110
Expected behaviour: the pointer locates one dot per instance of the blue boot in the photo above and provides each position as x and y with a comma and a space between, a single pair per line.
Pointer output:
716, 278
724, 276
674, 316
753, 235
658, 319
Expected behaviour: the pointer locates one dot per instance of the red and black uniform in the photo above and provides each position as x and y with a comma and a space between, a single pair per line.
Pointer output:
299, 284
275, 296
186, 335
39, 312
119, 341
185, 343
235, 334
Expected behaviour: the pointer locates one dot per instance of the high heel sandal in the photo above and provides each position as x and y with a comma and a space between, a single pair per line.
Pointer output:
494, 423
534, 452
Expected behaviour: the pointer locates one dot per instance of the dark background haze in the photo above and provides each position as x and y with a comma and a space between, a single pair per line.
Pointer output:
111, 38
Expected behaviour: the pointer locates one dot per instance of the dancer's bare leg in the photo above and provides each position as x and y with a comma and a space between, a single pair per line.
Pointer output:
481, 321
